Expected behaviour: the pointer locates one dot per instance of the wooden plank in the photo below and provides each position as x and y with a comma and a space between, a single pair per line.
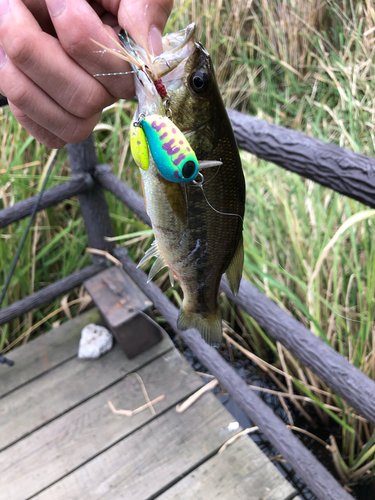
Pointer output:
45, 352
146, 462
58, 448
242, 472
52, 394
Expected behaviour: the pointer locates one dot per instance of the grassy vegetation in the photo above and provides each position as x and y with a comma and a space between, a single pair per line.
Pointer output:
304, 64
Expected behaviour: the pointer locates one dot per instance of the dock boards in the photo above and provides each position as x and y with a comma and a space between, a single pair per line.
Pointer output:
59, 439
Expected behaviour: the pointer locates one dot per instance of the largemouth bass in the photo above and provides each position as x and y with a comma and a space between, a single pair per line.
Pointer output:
197, 225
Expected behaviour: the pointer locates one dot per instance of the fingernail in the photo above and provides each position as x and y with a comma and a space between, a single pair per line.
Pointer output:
3, 57
154, 41
4, 8
55, 7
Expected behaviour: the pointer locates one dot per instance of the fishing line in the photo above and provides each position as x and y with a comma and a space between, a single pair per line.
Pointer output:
25, 234
200, 185
115, 74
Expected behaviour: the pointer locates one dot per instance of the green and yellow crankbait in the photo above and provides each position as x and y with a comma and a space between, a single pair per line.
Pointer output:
171, 151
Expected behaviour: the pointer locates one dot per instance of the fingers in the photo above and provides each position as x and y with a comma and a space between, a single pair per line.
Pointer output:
47, 89
41, 57
76, 37
38, 113
145, 21
49, 81
41, 134
39, 10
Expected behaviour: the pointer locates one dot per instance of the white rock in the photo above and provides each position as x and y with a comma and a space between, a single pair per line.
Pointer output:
233, 426
95, 341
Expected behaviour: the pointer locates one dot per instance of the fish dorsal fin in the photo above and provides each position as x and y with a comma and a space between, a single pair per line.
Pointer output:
234, 271
157, 266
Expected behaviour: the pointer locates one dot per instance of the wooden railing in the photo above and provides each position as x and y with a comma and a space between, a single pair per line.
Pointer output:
349, 173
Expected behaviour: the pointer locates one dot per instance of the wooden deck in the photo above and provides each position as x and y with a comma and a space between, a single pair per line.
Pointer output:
60, 441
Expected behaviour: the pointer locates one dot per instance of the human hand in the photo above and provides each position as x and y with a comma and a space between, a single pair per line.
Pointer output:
47, 59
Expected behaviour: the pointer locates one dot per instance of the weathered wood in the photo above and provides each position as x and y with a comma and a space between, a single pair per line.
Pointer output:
94, 207
45, 352
348, 381
346, 172
50, 292
51, 197
242, 472
123, 192
61, 389
48, 454
315, 475
150, 459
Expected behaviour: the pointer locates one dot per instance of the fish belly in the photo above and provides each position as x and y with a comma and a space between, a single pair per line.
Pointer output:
196, 241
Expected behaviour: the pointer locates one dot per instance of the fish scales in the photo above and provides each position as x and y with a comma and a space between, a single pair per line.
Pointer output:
198, 230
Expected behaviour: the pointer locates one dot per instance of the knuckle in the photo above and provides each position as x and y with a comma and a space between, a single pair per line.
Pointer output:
53, 142
20, 50
76, 130
95, 99
19, 95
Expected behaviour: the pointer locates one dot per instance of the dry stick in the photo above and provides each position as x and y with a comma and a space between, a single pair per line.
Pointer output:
193, 398
149, 403
236, 436
130, 413
104, 253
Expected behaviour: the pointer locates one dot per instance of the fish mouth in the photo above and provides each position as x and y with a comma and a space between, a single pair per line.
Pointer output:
177, 47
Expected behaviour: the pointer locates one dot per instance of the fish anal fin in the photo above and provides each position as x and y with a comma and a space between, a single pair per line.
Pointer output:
234, 271
209, 327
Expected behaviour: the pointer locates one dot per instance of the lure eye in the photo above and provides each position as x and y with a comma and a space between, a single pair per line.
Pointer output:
199, 82
188, 169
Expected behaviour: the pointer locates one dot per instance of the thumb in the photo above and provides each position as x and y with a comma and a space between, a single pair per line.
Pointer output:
145, 21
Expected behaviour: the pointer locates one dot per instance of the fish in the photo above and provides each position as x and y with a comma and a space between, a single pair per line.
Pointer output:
197, 224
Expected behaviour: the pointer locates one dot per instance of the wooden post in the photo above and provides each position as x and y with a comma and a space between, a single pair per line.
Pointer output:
348, 173
93, 202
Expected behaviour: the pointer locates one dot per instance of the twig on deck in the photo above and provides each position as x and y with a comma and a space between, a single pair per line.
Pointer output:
130, 413
234, 438
186, 404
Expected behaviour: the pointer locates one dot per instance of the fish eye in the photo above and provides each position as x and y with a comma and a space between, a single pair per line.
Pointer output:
188, 169
199, 82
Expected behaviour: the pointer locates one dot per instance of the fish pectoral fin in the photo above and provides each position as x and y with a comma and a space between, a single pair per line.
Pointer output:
157, 266
153, 251
209, 327
234, 271
209, 164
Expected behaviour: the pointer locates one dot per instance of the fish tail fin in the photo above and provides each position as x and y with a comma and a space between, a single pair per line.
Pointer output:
209, 327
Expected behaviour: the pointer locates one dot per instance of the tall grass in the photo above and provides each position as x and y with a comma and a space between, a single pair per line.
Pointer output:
308, 65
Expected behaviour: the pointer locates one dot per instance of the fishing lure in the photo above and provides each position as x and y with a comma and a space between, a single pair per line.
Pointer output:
171, 151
